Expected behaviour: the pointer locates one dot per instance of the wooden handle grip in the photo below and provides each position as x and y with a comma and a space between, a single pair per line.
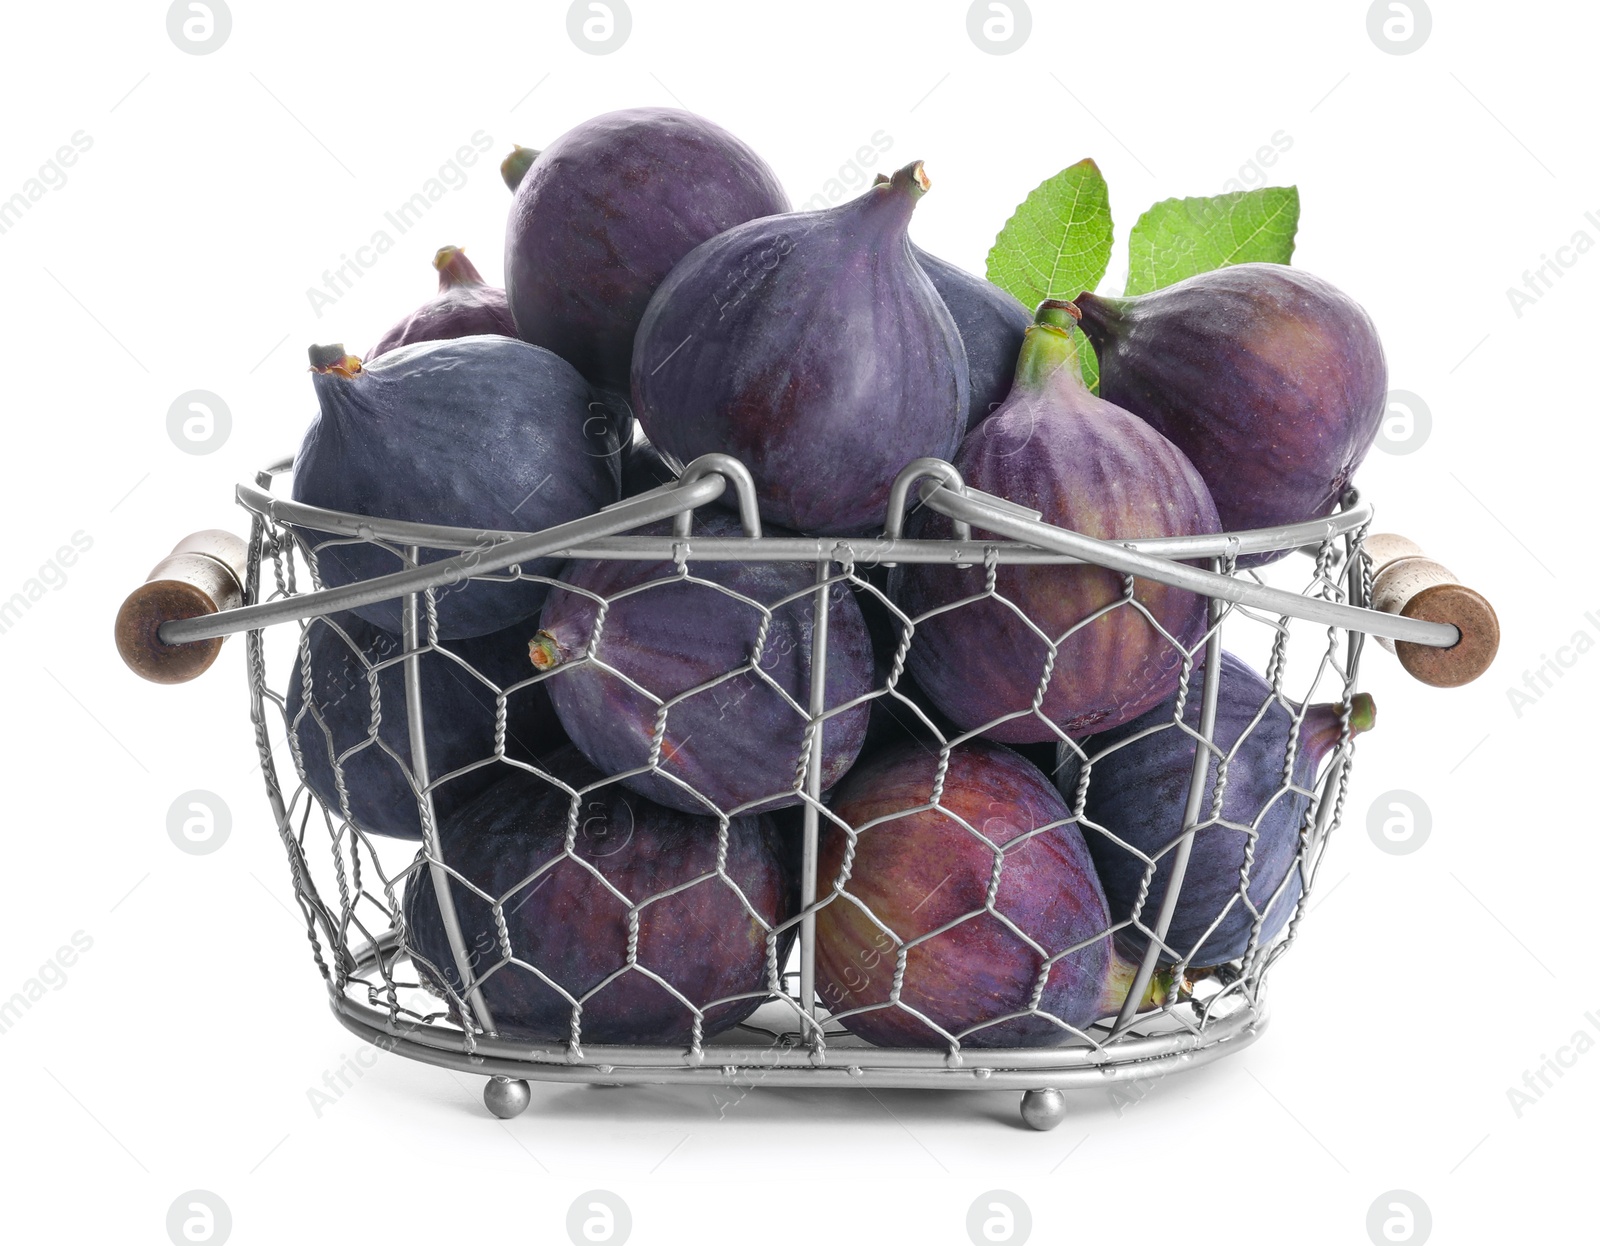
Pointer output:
1407, 582
204, 573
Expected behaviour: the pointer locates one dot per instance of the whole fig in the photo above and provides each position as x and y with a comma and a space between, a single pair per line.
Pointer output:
1138, 786
1085, 465
355, 716
464, 307
1269, 379
622, 919
734, 680
486, 433
982, 880
602, 215
813, 348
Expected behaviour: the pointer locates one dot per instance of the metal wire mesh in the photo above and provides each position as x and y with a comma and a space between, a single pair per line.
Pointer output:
336, 702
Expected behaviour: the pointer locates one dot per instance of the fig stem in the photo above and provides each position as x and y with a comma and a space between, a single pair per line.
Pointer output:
1324, 725
1047, 347
891, 202
912, 179
1057, 312
325, 359
455, 269
544, 651
515, 166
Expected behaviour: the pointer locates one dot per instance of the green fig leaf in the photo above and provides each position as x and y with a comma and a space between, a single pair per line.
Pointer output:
1088, 361
1179, 238
1058, 242
1056, 245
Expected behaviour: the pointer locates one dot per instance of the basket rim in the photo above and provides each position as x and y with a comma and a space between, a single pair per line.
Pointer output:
1353, 514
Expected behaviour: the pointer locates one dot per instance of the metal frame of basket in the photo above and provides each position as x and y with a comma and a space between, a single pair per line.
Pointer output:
791, 1040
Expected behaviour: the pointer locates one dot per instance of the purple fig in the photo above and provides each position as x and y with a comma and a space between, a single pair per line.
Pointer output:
486, 433
365, 729
979, 874
621, 918
1138, 786
1269, 379
603, 214
735, 742
813, 348
464, 307
1085, 465
991, 323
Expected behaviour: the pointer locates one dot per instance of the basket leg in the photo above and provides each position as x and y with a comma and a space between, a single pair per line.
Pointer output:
1044, 1109
506, 1097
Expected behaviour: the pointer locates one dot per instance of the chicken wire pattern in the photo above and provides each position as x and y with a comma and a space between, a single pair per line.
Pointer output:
359, 891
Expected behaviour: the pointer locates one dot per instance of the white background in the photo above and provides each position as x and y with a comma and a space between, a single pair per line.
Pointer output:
177, 256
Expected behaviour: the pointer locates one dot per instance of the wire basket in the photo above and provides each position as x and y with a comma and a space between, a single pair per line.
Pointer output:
436, 1000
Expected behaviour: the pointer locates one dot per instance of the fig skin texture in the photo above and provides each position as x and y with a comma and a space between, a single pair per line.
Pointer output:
1138, 793
459, 718
486, 433
1269, 379
992, 324
602, 215
736, 742
1088, 466
920, 868
814, 349
465, 306
574, 929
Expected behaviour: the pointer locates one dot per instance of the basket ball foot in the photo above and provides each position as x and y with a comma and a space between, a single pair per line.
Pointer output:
1044, 1109
506, 1097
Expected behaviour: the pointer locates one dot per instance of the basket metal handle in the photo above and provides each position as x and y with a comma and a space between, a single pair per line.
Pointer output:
171, 628
1446, 634
1409, 584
